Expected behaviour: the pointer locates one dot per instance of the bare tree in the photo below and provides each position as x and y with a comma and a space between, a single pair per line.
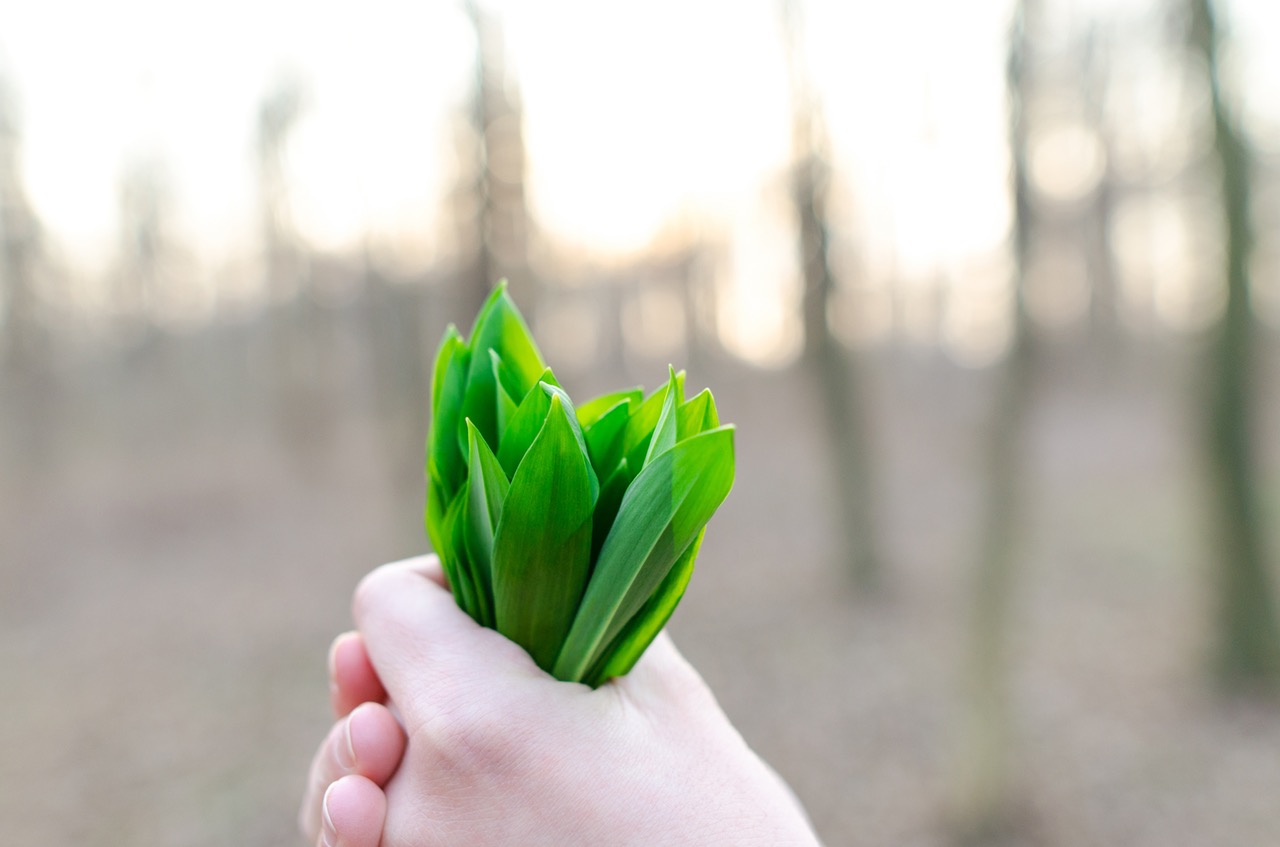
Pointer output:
1248, 653
983, 804
490, 200
825, 357
20, 239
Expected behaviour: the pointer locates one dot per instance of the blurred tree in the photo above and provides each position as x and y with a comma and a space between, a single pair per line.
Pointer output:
145, 243
824, 356
302, 370
20, 242
984, 802
1248, 653
278, 116
489, 202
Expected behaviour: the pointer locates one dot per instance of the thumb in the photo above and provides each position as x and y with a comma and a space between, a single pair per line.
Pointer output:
420, 642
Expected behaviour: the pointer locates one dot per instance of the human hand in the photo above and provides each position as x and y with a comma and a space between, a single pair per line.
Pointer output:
501, 753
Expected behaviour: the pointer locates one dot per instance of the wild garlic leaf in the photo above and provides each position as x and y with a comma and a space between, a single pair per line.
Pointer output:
542, 550
661, 514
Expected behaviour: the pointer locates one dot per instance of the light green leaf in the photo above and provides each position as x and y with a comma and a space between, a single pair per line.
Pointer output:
664, 431
697, 415
638, 634
635, 439
662, 513
595, 408
500, 327
523, 427
541, 554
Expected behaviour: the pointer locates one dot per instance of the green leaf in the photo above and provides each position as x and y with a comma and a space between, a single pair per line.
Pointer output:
604, 438
661, 515
453, 557
505, 392
434, 512
611, 493
523, 427
595, 408
625, 650
487, 489
664, 431
447, 391
500, 327
697, 415
635, 439
541, 554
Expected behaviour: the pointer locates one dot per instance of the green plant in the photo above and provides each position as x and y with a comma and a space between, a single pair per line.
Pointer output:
572, 531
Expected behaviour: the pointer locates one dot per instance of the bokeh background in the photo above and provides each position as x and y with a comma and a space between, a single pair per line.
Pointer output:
992, 290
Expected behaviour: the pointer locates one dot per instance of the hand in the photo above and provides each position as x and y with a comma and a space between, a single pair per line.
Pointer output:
500, 753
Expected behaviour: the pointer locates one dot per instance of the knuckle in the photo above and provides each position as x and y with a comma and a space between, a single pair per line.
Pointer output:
475, 737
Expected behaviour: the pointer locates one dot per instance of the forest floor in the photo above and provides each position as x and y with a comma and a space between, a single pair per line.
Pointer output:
170, 579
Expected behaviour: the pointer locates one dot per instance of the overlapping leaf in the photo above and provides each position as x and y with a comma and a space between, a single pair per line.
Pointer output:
572, 531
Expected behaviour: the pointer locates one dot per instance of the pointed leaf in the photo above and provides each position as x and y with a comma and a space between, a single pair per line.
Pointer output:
604, 438
505, 392
523, 427
664, 431
638, 634
541, 554
448, 391
662, 513
487, 489
697, 415
500, 327
595, 408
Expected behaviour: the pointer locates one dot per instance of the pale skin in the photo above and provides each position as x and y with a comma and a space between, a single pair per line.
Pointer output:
449, 734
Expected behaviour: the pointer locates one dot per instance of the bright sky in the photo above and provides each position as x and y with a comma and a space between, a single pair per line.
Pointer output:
635, 114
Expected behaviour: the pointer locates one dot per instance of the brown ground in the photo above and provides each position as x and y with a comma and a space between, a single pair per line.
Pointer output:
170, 578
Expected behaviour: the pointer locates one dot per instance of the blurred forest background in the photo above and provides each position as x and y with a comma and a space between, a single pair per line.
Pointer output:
991, 289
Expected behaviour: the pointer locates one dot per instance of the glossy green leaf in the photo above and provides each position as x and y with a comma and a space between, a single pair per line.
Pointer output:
506, 390
630, 644
664, 431
434, 512
541, 554
604, 438
611, 493
595, 408
639, 431
697, 415
453, 557
661, 515
448, 391
523, 427
487, 487
500, 327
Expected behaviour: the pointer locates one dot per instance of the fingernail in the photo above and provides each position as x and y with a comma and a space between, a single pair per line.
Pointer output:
346, 752
328, 834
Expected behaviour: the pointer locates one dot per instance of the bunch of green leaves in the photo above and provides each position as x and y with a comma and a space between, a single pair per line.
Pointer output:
572, 530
